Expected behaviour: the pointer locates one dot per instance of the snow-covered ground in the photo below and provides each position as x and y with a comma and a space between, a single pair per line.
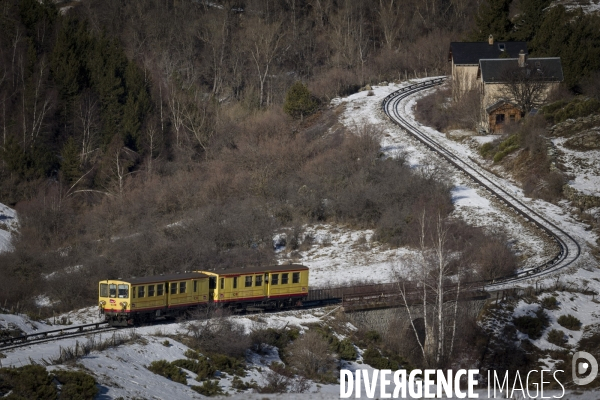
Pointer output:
583, 165
8, 224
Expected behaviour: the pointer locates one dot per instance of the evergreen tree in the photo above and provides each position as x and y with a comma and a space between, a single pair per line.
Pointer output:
298, 101
572, 36
69, 165
492, 19
529, 19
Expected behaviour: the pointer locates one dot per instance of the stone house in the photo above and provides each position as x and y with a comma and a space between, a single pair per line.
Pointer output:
465, 57
510, 87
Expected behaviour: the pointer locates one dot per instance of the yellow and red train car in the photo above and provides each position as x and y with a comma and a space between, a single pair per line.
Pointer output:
132, 301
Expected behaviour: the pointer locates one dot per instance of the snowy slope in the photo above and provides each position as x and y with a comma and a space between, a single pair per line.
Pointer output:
8, 224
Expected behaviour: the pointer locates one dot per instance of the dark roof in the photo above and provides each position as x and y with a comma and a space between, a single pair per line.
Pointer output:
254, 269
469, 53
165, 278
493, 70
499, 104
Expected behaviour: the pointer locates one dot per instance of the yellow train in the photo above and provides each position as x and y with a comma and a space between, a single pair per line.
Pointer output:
132, 301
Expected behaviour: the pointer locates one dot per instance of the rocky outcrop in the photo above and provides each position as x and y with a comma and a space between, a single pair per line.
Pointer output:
580, 200
586, 140
573, 127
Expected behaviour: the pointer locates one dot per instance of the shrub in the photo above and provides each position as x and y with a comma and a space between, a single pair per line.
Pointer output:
202, 367
299, 102
569, 322
561, 110
238, 384
486, 149
28, 382
532, 326
549, 303
346, 350
372, 336
76, 385
557, 337
374, 358
310, 356
209, 388
168, 370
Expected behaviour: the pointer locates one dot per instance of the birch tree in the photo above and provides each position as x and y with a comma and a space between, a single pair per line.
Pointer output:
429, 283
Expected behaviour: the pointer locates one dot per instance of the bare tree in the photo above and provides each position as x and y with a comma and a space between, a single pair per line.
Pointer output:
87, 114
435, 287
527, 87
264, 44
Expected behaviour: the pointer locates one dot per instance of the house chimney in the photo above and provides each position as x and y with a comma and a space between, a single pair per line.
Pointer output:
522, 58
491, 40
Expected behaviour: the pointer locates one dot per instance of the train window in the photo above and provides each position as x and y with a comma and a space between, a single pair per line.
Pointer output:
284, 279
173, 288
104, 290
123, 291
159, 289
150, 290
248, 281
274, 279
182, 287
258, 280
235, 282
296, 277
113, 290
141, 291
222, 283
195, 286
133, 292
212, 282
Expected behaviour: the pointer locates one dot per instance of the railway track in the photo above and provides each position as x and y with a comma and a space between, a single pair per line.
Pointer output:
16, 341
569, 249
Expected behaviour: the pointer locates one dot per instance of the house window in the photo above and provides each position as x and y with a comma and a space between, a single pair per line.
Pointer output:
296, 277
499, 119
501, 46
248, 281
512, 118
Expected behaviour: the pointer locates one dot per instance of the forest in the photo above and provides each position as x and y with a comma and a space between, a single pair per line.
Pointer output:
145, 136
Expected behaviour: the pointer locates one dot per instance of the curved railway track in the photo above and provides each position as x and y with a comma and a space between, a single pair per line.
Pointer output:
569, 249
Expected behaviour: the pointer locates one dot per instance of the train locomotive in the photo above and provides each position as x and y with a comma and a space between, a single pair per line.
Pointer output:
125, 302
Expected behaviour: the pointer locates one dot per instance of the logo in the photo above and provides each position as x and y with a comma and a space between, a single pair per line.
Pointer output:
112, 301
580, 368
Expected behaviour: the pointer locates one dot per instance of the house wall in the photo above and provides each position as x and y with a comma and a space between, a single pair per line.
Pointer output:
464, 78
492, 92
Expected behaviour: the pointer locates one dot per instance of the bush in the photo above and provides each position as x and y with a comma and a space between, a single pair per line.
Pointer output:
570, 322
28, 382
76, 385
240, 385
532, 326
310, 356
557, 337
561, 110
374, 358
299, 102
209, 388
202, 367
168, 370
549, 303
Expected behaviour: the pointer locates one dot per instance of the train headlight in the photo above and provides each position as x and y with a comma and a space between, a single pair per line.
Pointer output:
102, 303
124, 304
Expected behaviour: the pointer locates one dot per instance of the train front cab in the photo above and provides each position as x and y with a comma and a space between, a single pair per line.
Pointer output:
114, 301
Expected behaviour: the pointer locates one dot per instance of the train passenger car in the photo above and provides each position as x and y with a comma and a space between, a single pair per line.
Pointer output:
276, 286
136, 300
